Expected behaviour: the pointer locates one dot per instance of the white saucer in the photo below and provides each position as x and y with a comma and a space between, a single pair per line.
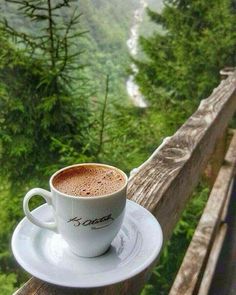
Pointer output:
45, 255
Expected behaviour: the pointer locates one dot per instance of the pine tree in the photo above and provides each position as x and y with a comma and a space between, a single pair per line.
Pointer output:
41, 85
197, 39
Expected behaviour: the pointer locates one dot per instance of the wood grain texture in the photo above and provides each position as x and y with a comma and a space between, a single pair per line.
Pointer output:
224, 280
216, 160
227, 202
164, 183
224, 73
212, 260
195, 259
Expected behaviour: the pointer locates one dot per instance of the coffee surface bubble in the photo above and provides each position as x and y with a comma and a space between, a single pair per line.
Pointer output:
89, 181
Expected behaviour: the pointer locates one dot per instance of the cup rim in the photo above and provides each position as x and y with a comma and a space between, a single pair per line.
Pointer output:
91, 197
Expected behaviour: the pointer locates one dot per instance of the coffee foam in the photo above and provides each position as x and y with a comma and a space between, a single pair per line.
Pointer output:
89, 181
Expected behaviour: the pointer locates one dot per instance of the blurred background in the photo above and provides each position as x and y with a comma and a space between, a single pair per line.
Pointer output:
102, 81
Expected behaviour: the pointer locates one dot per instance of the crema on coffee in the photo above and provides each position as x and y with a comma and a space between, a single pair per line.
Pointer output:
89, 181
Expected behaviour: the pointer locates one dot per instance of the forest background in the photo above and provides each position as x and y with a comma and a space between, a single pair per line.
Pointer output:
63, 100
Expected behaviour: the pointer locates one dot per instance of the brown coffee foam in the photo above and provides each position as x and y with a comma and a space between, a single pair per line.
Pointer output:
88, 181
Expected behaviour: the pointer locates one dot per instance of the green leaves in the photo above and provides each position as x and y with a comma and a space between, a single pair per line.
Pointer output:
7, 283
199, 39
38, 103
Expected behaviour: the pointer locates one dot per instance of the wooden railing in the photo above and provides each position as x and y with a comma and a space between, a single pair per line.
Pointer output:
164, 183
197, 270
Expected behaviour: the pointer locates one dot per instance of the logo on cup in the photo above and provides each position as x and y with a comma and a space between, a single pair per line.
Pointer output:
79, 221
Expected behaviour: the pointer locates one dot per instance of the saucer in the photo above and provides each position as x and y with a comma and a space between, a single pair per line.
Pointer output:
45, 255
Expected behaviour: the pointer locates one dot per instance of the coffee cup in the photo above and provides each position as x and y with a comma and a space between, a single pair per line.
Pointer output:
88, 202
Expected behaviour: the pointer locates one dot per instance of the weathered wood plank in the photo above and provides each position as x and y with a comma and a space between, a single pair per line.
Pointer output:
224, 280
226, 206
212, 260
216, 248
194, 261
216, 160
164, 183
224, 73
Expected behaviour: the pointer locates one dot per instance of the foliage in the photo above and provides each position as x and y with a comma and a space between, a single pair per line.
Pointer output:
6, 283
10, 273
130, 134
184, 59
105, 45
42, 104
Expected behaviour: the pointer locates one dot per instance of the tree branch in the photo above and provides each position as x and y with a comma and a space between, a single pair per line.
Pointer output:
101, 135
51, 33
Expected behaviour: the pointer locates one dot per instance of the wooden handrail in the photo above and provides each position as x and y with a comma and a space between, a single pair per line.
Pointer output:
164, 183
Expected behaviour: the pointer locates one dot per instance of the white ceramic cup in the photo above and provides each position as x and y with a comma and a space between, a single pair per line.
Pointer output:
87, 224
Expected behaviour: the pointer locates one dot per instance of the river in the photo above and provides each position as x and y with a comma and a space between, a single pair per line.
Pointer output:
132, 88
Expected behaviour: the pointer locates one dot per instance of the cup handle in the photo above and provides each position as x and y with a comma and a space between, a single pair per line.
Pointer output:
48, 198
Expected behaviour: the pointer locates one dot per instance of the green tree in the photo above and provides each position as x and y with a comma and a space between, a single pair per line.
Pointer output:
39, 104
198, 38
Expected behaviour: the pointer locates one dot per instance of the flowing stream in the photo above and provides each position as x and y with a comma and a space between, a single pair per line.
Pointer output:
132, 43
